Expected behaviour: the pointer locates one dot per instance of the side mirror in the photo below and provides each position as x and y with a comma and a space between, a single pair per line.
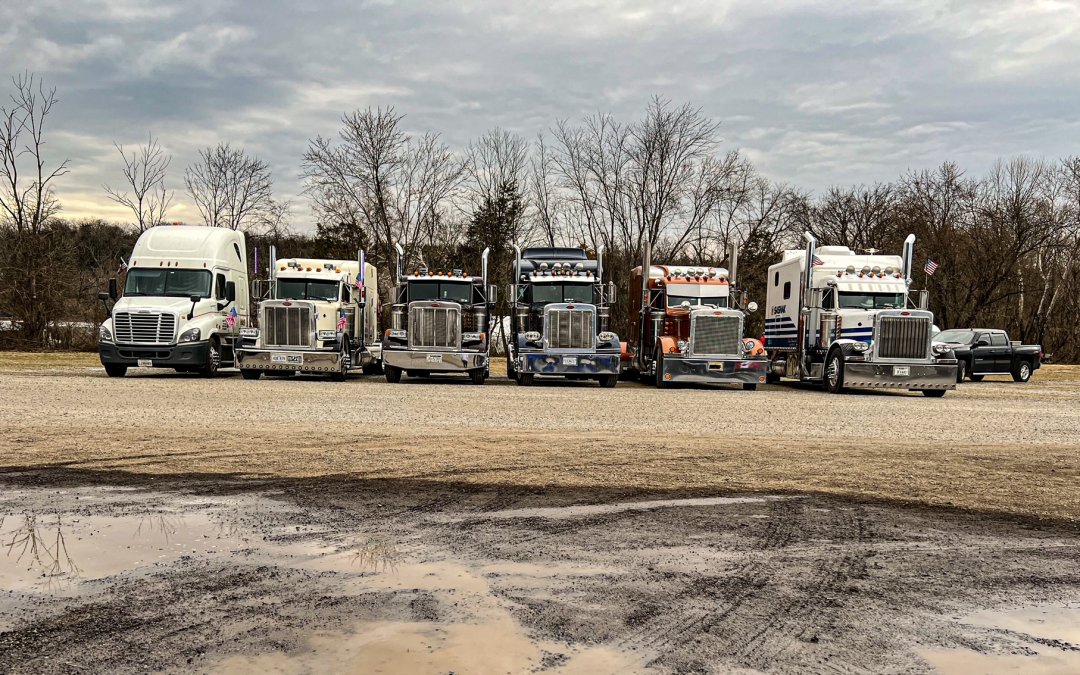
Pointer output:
815, 297
103, 296
751, 307
983, 342
493, 294
114, 290
193, 299
230, 291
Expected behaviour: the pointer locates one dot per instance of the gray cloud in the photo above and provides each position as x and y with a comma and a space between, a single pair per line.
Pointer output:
815, 92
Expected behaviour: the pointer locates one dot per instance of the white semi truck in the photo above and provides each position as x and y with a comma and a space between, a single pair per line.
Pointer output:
185, 301
846, 319
321, 316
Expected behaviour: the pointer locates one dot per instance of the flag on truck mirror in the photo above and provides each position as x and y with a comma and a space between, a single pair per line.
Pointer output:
123, 267
341, 321
930, 267
230, 318
818, 261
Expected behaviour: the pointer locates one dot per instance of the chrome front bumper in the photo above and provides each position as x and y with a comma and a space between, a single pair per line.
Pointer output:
438, 362
717, 371
886, 376
588, 365
301, 361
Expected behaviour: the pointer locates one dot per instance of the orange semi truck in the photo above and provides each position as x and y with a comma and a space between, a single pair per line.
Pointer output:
687, 325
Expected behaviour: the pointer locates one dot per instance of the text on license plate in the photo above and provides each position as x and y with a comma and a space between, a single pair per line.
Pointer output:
292, 359
901, 371
146, 363
569, 360
434, 358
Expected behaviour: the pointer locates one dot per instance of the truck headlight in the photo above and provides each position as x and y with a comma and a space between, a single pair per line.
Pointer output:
327, 334
860, 346
941, 349
190, 335
470, 337
681, 344
607, 336
532, 336
398, 333
252, 333
104, 334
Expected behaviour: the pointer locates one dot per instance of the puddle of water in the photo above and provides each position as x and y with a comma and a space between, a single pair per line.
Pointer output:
1055, 624
581, 510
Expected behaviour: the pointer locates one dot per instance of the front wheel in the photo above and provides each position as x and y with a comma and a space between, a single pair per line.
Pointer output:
250, 373
213, 359
834, 373
1022, 372
392, 374
659, 364
608, 381
961, 371
975, 378
113, 370
749, 386
933, 393
524, 379
477, 376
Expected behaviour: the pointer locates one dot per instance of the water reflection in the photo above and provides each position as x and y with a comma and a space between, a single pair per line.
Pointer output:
375, 554
42, 546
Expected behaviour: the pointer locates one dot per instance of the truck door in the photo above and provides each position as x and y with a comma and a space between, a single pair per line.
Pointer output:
999, 343
982, 357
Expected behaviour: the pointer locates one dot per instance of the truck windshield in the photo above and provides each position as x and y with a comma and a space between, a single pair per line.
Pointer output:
957, 337
305, 289
871, 300
171, 283
545, 293
678, 300
436, 290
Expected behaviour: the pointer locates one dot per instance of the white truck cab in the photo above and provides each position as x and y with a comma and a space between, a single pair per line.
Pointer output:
185, 300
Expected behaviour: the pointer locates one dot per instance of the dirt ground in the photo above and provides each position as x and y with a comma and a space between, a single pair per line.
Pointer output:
164, 522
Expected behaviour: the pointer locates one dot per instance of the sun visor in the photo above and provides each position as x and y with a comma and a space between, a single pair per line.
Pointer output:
879, 286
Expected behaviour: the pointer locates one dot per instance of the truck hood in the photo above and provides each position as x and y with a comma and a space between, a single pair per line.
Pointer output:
180, 306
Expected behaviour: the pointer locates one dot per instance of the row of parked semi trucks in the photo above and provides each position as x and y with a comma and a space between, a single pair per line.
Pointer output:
835, 317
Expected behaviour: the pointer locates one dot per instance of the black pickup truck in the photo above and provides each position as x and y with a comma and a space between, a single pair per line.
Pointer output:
987, 351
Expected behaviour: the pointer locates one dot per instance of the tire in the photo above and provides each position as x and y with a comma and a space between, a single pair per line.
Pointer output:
961, 371
113, 370
933, 393
608, 381
771, 377
344, 364
477, 376
373, 368
1022, 372
213, 359
749, 386
659, 365
250, 373
511, 371
975, 378
525, 379
392, 374
833, 379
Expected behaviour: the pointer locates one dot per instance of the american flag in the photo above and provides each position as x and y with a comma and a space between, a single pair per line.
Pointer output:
230, 318
930, 267
341, 322
818, 261
123, 267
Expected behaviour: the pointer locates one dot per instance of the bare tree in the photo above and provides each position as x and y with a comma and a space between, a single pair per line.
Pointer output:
230, 188
144, 172
496, 159
26, 195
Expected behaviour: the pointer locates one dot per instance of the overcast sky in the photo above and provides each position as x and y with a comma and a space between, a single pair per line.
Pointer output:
816, 93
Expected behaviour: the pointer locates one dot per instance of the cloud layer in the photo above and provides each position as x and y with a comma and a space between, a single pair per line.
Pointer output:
816, 93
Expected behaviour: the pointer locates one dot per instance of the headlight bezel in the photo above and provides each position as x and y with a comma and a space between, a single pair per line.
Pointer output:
190, 335
532, 336
607, 336
398, 334
861, 347
104, 334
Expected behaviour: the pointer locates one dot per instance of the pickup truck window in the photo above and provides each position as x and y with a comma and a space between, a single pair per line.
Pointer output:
998, 340
955, 336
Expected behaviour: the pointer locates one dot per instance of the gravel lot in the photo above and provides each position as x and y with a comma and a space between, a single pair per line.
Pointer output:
164, 522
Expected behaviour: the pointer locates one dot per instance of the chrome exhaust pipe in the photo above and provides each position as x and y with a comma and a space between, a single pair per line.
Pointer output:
400, 263
908, 257
808, 267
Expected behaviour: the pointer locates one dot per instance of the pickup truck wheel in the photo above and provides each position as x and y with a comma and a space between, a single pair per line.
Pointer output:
975, 378
115, 370
961, 370
834, 373
250, 373
933, 393
608, 381
213, 359
477, 376
392, 374
1022, 372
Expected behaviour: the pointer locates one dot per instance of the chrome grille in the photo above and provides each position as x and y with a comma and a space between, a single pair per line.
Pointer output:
903, 337
570, 328
437, 327
711, 334
287, 326
149, 328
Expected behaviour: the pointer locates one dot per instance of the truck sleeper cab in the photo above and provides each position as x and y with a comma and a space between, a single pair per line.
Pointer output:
185, 300
439, 323
321, 318
688, 327
559, 318
843, 319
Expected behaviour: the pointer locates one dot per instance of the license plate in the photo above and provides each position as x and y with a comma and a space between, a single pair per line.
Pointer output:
569, 360
901, 371
289, 359
146, 363
434, 358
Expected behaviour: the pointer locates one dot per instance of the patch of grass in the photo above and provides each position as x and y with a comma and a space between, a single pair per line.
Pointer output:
13, 361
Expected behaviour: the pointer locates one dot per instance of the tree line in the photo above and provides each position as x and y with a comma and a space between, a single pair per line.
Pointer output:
1006, 243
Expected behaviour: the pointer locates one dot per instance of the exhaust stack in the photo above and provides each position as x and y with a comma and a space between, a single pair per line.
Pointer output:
908, 258
400, 263
733, 265
808, 267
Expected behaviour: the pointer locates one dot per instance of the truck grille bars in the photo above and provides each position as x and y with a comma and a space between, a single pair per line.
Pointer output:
287, 326
903, 337
715, 335
570, 328
145, 328
434, 327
